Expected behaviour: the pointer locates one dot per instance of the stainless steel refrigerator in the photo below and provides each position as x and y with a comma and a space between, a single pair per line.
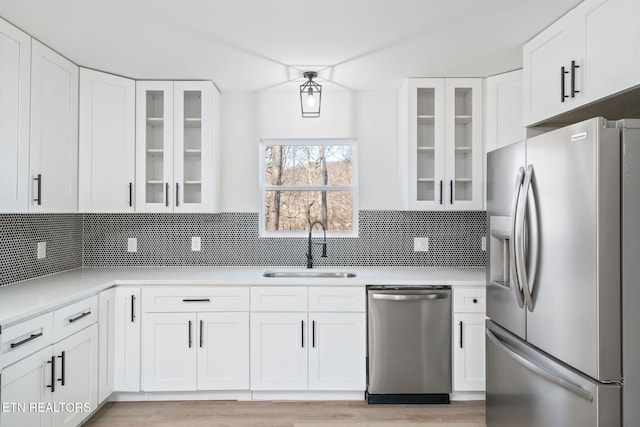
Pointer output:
563, 278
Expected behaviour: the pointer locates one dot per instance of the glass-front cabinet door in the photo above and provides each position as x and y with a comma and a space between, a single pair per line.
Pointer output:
463, 142
154, 146
192, 146
442, 145
175, 146
427, 143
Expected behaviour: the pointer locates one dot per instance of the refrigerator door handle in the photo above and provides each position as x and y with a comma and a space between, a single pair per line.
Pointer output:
521, 243
512, 239
565, 383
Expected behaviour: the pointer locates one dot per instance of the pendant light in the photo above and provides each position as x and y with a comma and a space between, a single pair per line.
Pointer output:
310, 94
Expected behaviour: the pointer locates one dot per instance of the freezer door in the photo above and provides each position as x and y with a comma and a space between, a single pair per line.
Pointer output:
572, 243
504, 298
527, 388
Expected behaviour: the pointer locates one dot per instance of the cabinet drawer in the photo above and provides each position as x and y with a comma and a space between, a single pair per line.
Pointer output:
469, 300
74, 317
333, 299
25, 338
195, 299
279, 298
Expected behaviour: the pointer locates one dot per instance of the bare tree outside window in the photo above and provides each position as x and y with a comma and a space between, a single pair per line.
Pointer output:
305, 183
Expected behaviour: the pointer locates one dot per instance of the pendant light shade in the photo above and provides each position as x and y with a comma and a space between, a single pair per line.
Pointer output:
310, 94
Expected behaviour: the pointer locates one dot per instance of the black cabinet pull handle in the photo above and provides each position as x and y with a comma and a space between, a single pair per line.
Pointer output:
440, 191
130, 194
201, 333
53, 374
190, 341
562, 73
177, 194
80, 316
573, 79
62, 365
38, 199
313, 333
26, 340
451, 192
302, 332
460, 324
166, 194
133, 302
196, 300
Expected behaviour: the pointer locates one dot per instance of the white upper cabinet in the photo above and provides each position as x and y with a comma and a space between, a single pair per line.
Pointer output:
176, 151
504, 124
545, 71
15, 57
107, 142
440, 141
590, 53
54, 132
607, 46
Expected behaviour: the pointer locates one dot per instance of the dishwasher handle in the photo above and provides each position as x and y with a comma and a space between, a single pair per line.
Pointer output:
411, 297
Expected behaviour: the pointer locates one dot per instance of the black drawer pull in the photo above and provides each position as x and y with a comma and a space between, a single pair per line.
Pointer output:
573, 79
62, 365
562, 95
53, 374
196, 300
26, 340
460, 324
38, 199
80, 317
133, 302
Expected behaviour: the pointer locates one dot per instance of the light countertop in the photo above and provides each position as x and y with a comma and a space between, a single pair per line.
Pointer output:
26, 299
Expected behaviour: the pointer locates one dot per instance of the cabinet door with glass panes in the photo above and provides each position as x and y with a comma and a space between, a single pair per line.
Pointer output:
426, 144
463, 144
174, 140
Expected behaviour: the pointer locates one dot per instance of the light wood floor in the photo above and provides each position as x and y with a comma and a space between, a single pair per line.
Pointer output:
292, 414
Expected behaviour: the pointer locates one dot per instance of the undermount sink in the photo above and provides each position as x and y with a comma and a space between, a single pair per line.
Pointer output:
310, 274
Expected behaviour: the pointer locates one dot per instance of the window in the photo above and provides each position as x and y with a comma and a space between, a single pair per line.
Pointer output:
307, 180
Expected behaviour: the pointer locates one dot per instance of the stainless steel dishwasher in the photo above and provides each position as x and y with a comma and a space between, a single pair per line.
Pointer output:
409, 344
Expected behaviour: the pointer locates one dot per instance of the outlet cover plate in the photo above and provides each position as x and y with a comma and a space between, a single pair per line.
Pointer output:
195, 243
132, 244
42, 250
421, 244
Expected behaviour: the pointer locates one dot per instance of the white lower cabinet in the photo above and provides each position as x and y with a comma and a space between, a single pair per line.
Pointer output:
338, 351
223, 351
195, 351
126, 347
76, 376
168, 352
469, 339
57, 385
204, 347
317, 351
106, 341
24, 382
278, 351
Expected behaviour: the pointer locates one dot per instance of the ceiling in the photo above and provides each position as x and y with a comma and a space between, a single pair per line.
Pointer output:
248, 45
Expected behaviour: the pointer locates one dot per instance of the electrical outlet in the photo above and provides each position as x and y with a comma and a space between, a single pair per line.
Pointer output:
195, 243
132, 244
42, 250
484, 243
421, 244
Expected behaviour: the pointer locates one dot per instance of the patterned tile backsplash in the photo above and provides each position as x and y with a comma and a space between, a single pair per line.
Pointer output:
96, 240
19, 238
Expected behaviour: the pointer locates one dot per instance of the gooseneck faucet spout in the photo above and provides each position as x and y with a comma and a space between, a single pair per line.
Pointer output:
324, 243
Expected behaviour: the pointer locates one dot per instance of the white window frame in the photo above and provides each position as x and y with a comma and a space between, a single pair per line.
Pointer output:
264, 187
